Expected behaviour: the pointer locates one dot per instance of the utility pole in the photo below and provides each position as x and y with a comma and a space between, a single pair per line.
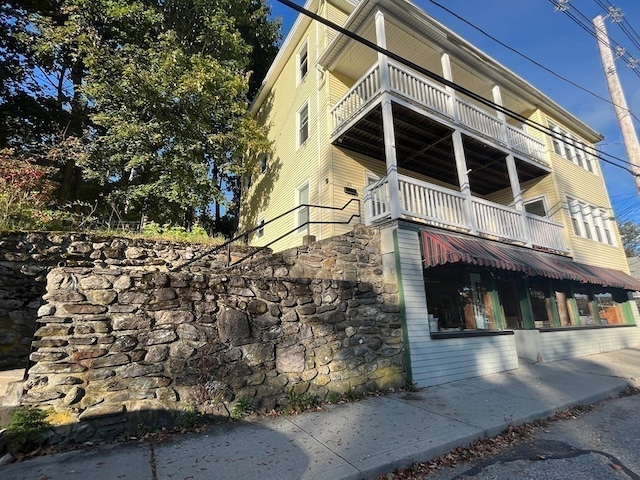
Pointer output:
617, 98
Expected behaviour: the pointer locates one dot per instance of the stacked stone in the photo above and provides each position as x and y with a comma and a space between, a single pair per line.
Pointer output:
117, 345
25, 259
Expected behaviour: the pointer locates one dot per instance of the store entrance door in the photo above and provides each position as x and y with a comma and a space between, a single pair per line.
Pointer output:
510, 304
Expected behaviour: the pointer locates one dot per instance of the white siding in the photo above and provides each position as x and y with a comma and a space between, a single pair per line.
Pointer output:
440, 361
577, 343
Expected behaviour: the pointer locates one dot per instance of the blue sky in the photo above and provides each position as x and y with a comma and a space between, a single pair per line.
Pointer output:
554, 40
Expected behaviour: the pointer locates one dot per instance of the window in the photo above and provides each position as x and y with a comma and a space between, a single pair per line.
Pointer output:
536, 207
263, 161
570, 147
302, 198
246, 180
260, 230
303, 124
590, 221
303, 62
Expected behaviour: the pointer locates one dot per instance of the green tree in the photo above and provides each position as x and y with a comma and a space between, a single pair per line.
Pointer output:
630, 233
155, 91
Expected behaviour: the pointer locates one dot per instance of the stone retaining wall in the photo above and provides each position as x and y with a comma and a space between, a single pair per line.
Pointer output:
25, 259
114, 344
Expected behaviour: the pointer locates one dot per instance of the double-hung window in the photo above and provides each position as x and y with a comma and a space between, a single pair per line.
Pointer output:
303, 62
570, 147
303, 124
302, 198
590, 221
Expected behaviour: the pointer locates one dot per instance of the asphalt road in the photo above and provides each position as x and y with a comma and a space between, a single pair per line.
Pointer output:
600, 445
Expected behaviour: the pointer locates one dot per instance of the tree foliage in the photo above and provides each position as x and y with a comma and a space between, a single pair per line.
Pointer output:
155, 92
630, 234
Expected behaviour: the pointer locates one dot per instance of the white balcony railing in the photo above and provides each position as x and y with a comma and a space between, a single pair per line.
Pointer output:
446, 208
499, 220
436, 205
356, 98
411, 85
427, 94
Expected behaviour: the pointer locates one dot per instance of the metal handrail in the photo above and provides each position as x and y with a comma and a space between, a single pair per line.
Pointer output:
228, 243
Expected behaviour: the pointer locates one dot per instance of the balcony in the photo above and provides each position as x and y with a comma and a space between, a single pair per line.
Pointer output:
438, 103
446, 208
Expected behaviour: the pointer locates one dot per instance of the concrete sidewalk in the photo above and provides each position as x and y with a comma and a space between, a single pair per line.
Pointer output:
357, 440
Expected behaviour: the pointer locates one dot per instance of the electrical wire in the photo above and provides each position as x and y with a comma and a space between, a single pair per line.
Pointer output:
587, 28
547, 69
535, 125
625, 26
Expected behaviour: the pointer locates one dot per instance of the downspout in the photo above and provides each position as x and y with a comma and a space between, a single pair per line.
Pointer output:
320, 81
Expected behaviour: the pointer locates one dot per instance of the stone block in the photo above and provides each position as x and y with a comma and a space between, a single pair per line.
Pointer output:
173, 317
132, 322
132, 297
291, 359
157, 353
111, 360
50, 330
82, 309
102, 410
95, 282
139, 370
258, 353
124, 343
101, 297
233, 326
157, 337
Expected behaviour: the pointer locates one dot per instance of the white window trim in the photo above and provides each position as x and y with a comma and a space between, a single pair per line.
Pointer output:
260, 231
304, 49
587, 217
263, 162
304, 106
302, 230
370, 177
569, 146
545, 202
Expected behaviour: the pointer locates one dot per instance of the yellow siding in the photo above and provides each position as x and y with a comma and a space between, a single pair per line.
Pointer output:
571, 179
335, 15
291, 166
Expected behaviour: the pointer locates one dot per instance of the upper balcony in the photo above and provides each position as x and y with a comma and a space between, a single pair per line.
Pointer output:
438, 104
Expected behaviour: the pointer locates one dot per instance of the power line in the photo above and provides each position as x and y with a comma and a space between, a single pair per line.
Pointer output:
618, 17
508, 47
561, 5
537, 126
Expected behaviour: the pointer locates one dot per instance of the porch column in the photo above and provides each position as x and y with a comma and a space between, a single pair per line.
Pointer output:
497, 99
517, 197
387, 122
458, 151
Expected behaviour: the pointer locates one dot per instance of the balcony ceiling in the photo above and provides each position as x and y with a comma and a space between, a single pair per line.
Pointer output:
425, 146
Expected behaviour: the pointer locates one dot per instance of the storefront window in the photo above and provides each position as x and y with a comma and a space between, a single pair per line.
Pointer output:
609, 310
586, 312
459, 299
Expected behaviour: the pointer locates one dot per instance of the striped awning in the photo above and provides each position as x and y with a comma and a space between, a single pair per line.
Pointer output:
440, 248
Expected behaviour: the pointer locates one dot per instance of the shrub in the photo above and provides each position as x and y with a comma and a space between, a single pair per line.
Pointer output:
26, 430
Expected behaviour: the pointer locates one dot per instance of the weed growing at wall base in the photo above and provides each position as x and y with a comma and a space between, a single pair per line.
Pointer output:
26, 431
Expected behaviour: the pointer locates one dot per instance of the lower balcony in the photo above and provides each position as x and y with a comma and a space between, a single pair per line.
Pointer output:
449, 209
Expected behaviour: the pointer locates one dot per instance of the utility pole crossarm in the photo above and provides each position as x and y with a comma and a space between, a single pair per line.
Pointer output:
617, 98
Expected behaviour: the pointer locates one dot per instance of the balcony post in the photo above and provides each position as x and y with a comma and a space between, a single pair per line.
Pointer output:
447, 73
517, 197
463, 180
497, 99
387, 122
